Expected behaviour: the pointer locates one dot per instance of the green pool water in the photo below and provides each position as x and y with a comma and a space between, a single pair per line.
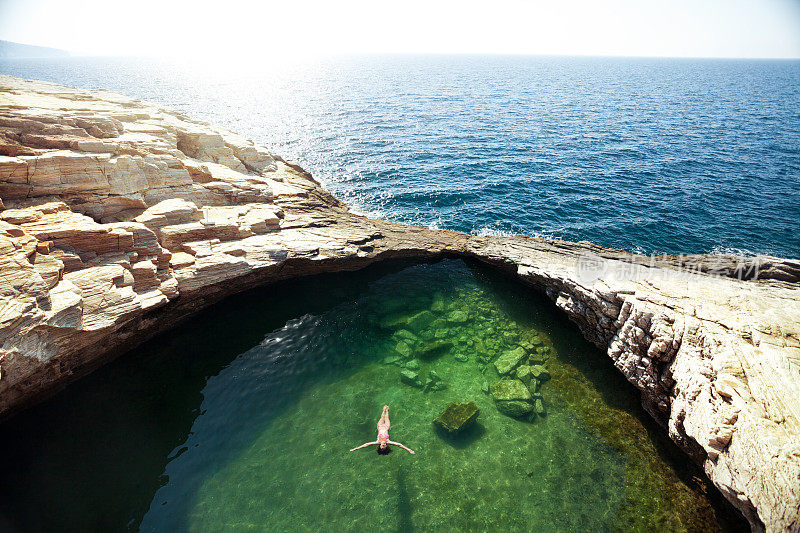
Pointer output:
241, 420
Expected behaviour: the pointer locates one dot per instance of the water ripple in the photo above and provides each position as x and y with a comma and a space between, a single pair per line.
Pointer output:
655, 155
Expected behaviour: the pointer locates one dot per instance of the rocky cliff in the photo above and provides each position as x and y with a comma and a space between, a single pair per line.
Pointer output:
120, 218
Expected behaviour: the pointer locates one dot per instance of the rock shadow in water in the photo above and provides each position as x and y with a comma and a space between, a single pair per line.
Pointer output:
462, 439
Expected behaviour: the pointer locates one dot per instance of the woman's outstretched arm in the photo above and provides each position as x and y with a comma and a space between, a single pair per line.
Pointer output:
409, 450
364, 446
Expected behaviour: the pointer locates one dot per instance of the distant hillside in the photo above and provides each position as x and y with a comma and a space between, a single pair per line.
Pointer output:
9, 49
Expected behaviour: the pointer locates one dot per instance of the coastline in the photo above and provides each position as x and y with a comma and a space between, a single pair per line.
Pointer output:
108, 240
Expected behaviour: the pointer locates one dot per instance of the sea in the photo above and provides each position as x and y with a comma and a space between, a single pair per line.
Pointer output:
650, 155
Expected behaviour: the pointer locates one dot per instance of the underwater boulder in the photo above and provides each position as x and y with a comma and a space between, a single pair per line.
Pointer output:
413, 364
527, 344
458, 317
433, 382
536, 359
392, 360
457, 417
540, 355
461, 358
524, 373
510, 389
540, 373
420, 321
404, 334
442, 333
434, 348
438, 323
514, 408
511, 336
427, 334
510, 360
411, 377
403, 348
511, 397
393, 321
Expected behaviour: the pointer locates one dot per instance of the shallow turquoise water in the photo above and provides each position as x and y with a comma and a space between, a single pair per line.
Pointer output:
242, 420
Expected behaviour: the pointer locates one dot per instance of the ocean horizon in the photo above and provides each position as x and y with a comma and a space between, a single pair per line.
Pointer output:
650, 155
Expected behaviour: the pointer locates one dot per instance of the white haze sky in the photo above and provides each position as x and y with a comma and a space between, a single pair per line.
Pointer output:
266, 29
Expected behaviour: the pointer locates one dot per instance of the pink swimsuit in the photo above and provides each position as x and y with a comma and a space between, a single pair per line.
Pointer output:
383, 431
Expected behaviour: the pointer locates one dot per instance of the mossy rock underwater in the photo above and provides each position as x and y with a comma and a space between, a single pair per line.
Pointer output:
434, 348
457, 417
510, 360
512, 397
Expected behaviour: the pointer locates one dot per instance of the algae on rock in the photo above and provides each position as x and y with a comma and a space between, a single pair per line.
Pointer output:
457, 417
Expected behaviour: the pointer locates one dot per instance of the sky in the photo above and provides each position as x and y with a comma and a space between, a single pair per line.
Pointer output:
253, 30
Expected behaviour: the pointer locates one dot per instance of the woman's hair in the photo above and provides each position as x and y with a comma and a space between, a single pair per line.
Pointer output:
384, 451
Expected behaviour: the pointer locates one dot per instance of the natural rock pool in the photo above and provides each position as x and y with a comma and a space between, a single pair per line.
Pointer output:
242, 418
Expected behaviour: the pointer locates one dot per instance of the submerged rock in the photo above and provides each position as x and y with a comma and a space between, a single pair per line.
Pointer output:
538, 405
461, 358
434, 348
441, 333
510, 389
393, 320
540, 355
405, 334
458, 317
540, 373
403, 349
457, 417
427, 334
420, 321
433, 382
413, 364
515, 408
438, 323
524, 373
510, 360
410, 377
392, 360
511, 336
511, 397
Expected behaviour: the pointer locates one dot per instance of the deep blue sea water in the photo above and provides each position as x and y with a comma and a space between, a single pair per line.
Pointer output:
649, 155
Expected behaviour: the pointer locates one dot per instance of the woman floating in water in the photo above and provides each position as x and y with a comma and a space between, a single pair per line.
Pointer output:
383, 441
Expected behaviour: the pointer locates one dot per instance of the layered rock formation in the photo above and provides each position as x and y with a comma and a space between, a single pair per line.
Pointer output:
120, 218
